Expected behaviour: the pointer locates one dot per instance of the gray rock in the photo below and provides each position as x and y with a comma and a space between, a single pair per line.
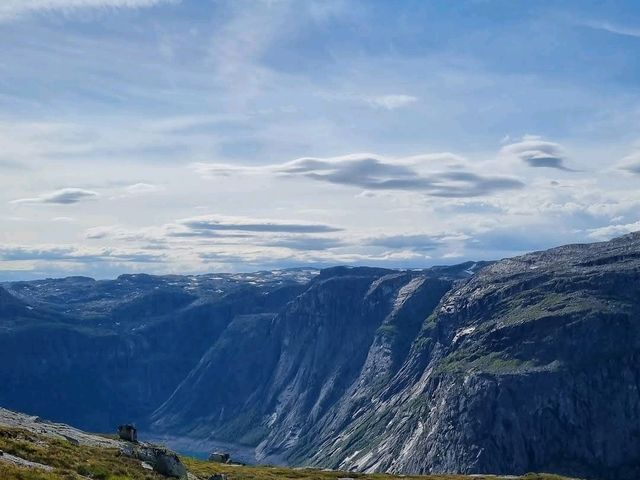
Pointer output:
219, 457
163, 460
60, 431
169, 464
21, 462
128, 432
218, 476
72, 440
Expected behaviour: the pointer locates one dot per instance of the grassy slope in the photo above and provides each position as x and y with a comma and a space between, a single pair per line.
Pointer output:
74, 462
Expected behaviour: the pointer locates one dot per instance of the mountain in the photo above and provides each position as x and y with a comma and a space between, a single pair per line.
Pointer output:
526, 364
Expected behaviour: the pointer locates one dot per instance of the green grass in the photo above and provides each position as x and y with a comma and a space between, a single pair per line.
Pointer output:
464, 361
75, 462
205, 469
531, 306
69, 461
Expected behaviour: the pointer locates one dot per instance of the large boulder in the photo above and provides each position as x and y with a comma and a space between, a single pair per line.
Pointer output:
219, 457
163, 460
128, 433
218, 476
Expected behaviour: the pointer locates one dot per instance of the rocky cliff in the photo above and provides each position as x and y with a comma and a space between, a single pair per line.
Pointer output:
532, 364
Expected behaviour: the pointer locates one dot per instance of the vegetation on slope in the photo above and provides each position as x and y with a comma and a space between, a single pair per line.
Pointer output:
76, 462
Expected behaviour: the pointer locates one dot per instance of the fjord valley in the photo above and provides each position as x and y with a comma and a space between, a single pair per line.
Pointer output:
528, 364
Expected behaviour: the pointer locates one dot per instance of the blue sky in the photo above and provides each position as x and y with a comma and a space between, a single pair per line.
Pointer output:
197, 136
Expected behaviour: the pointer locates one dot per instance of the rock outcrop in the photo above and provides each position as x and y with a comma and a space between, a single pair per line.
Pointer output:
219, 457
161, 459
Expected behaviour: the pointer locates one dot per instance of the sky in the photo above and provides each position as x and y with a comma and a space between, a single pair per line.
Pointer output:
169, 136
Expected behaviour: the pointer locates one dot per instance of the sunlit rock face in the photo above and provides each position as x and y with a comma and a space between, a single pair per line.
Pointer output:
526, 364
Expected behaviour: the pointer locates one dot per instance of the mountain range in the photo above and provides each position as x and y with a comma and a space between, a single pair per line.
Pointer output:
525, 364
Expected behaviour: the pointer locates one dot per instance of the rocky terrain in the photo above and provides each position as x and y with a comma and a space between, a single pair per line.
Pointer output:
32, 448
526, 364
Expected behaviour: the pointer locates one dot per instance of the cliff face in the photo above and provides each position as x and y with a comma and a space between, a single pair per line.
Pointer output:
527, 364
270, 380
531, 365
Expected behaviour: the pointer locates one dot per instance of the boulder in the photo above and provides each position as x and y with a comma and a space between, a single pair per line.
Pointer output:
219, 457
218, 476
128, 433
163, 460
169, 464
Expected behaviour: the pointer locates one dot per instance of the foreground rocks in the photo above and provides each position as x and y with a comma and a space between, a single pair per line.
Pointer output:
21, 462
218, 476
219, 457
60, 431
161, 459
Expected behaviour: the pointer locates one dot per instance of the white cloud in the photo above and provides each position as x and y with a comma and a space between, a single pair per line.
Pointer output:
226, 232
438, 175
65, 196
391, 102
136, 190
156, 236
10, 9
536, 152
388, 101
612, 231
631, 163
613, 28
215, 223
414, 242
72, 253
